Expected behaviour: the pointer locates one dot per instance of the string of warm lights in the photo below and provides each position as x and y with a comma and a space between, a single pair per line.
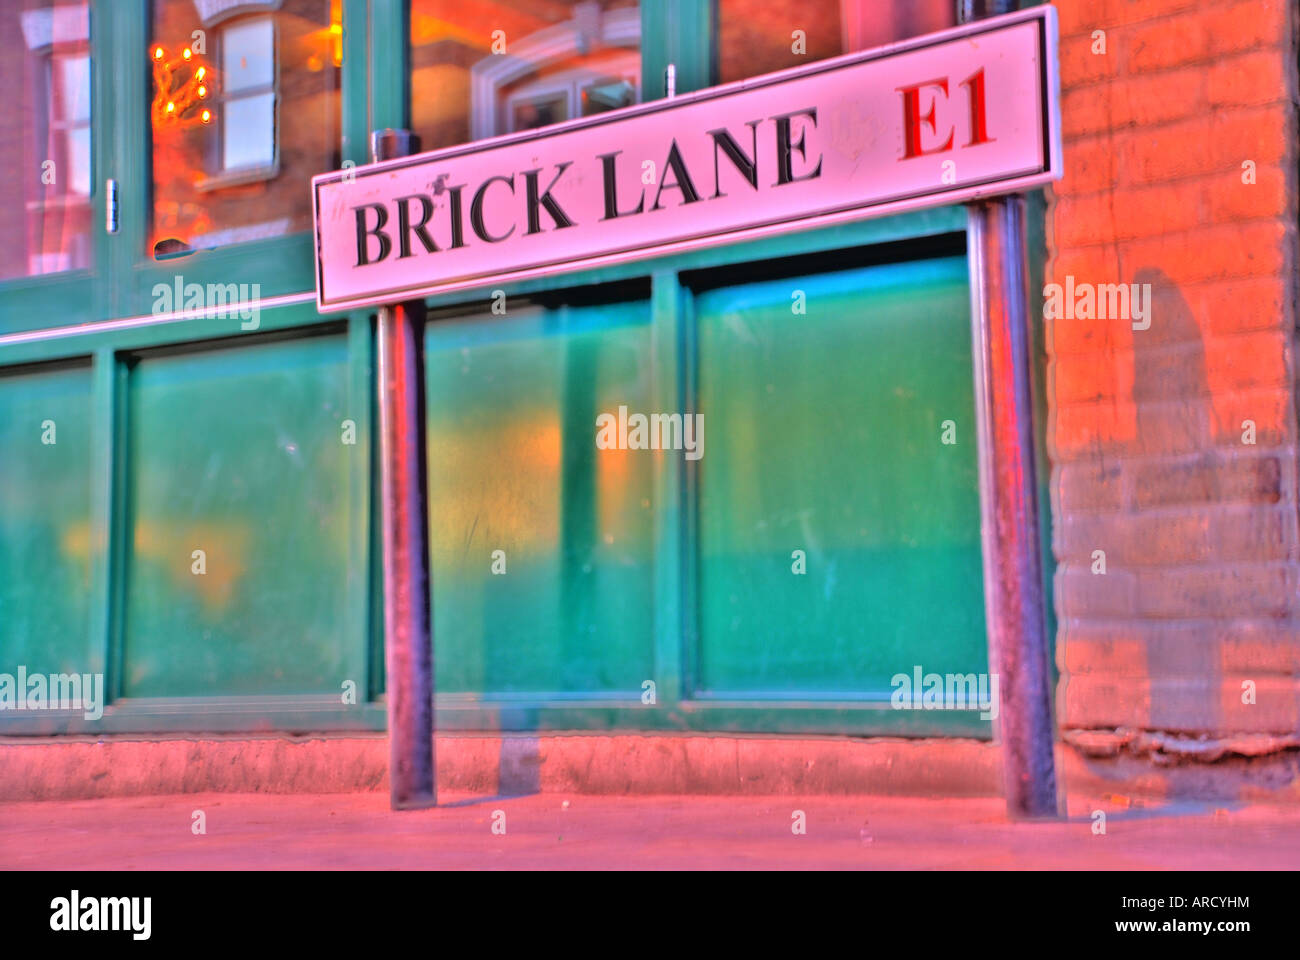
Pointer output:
181, 104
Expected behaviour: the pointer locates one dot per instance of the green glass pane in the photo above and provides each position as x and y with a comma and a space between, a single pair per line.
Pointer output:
45, 538
513, 467
239, 453
824, 435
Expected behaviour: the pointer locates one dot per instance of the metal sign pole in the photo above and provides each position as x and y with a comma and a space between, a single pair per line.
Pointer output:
408, 638
1013, 584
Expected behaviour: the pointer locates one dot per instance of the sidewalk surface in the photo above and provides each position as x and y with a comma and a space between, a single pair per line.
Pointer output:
358, 831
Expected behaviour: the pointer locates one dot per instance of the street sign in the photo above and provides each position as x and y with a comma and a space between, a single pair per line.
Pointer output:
939, 119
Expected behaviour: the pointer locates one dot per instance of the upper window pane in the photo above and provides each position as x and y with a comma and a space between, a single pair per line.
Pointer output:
245, 109
45, 143
248, 54
759, 36
72, 90
485, 67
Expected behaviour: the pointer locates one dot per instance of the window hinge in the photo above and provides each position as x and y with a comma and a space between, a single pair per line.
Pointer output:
110, 206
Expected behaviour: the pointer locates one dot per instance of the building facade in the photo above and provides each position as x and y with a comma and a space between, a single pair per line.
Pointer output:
187, 502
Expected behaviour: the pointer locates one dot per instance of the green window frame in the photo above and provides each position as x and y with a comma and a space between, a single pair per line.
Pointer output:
120, 281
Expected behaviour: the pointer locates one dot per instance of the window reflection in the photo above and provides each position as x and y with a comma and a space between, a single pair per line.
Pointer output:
70, 117
760, 36
45, 140
256, 106
248, 102
485, 67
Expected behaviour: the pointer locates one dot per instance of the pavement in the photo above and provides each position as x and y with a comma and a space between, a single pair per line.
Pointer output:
583, 831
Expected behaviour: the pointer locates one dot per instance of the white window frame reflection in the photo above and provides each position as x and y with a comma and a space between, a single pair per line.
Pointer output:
489, 115
570, 86
66, 126
268, 169
57, 34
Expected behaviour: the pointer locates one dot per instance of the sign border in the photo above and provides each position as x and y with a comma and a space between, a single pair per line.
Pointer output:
1049, 83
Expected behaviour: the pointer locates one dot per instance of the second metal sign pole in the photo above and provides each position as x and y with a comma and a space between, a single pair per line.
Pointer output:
408, 637
1004, 410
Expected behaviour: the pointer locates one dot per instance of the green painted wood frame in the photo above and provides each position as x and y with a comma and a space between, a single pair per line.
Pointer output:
375, 95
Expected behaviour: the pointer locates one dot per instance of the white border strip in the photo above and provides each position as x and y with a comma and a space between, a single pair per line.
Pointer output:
153, 319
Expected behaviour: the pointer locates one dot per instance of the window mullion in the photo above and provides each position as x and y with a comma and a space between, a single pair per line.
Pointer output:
691, 43
120, 37
355, 82
390, 33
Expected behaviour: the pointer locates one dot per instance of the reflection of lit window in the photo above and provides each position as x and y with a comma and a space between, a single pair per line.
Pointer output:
247, 125
275, 103
70, 120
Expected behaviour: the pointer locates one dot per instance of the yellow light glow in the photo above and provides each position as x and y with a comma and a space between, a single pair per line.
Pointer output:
200, 72
336, 36
207, 115
158, 53
186, 53
170, 106
203, 92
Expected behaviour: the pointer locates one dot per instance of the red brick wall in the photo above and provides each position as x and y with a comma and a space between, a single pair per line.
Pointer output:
1145, 430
